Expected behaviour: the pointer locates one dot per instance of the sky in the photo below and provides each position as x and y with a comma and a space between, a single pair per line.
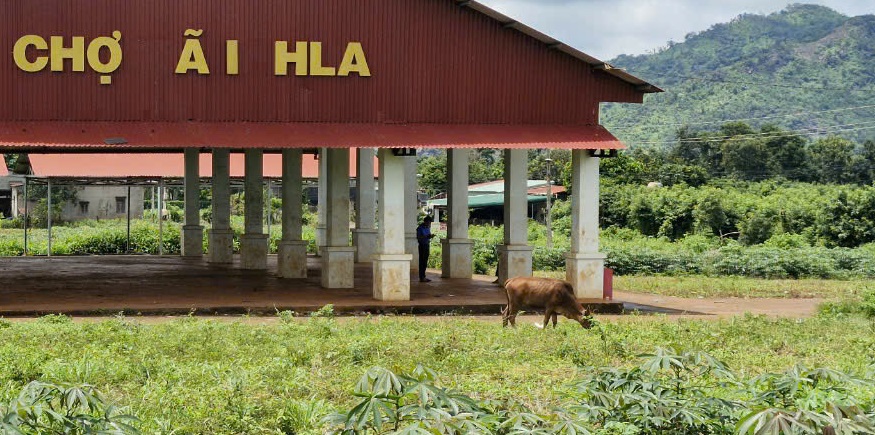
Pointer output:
607, 28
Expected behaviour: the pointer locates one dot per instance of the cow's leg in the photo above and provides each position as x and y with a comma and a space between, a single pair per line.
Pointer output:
509, 315
547, 314
554, 321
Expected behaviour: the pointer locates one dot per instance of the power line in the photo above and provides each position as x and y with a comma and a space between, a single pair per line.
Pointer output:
767, 85
788, 115
814, 131
776, 85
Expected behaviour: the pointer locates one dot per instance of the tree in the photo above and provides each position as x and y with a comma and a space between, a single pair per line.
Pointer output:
433, 169
61, 195
831, 159
746, 159
863, 163
789, 154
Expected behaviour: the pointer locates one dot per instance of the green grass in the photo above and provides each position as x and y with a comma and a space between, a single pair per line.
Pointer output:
740, 287
252, 376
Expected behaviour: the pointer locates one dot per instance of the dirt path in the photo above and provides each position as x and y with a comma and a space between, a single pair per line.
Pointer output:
720, 306
672, 307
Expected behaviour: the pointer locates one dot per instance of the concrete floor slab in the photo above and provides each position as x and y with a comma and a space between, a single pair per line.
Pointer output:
100, 285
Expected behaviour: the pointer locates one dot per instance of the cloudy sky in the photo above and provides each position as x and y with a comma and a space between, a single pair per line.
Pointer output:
607, 28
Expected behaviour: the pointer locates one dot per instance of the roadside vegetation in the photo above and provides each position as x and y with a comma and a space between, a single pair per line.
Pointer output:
285, 376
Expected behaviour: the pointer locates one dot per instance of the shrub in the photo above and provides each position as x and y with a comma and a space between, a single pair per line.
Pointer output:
669, 392
43, 408
868, 304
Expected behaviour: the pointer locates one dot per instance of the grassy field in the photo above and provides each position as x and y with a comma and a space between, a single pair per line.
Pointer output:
206, 376
740, 287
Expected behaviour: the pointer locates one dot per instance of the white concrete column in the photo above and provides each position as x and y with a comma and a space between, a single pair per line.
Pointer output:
292, 249
322, 199
192, 231
221, 236
338, 258
584, 265
364, 237
456, 248
515, 256
253, 243
411, 211
391, 264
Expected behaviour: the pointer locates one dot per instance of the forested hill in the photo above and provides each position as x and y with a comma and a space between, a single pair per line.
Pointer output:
807, 60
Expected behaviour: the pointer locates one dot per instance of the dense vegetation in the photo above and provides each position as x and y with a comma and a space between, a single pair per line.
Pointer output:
807, 68
284, 375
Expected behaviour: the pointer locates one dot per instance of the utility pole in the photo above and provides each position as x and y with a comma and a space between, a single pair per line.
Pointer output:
549, 219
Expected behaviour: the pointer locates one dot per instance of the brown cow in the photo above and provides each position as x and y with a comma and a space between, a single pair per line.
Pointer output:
553, 295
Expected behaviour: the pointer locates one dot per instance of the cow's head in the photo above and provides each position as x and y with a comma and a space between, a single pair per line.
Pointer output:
584, 317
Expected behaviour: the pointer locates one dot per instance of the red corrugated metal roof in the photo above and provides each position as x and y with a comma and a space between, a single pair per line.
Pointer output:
507, 22
3, 171
156, 165
542, 191
432, 61
156, 137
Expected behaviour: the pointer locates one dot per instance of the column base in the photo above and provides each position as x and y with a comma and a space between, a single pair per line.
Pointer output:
221, 250
192, 241
365, 242
456, 258
411, 246
514, 261
586, 273
338, 267
320, 239
253, 251
292, 259
392, 277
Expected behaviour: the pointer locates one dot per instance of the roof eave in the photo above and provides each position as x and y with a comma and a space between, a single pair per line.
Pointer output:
552, 43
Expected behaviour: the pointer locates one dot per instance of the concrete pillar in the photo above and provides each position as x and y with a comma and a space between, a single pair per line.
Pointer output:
515, 256
364, 237
338, 257
411, 211
253, 243
456, 248
292, 249
391, 264
221, 236
192, 231
322, 199
585, 265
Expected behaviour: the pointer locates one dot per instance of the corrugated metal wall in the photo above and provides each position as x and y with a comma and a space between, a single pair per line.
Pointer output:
432, 62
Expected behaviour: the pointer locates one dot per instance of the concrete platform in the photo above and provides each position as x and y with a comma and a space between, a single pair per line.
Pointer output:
153, 285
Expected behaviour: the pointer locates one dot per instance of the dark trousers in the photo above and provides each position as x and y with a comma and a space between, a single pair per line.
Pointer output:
423, 260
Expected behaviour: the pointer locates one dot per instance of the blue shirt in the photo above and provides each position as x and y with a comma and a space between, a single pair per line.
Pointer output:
423, 234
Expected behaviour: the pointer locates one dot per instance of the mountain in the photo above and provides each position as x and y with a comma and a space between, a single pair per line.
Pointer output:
807, 68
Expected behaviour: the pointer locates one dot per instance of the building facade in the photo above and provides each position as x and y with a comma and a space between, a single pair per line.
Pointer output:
342, 78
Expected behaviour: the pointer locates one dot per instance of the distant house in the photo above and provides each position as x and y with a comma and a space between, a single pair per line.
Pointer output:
486, 201
101, 180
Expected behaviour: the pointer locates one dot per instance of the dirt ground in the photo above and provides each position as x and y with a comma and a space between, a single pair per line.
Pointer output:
159, 286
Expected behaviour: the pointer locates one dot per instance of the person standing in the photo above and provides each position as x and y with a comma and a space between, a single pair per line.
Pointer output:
423, 238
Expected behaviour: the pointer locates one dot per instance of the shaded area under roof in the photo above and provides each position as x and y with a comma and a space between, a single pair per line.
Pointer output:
157, 165
151, 137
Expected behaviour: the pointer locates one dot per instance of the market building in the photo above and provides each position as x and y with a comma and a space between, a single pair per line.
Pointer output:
339, 78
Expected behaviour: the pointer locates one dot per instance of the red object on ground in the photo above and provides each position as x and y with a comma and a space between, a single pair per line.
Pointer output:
608, 289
